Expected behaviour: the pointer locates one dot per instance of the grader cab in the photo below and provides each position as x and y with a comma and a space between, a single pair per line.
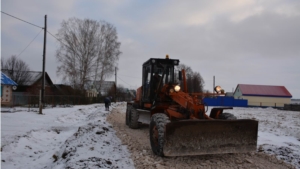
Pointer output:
178, 123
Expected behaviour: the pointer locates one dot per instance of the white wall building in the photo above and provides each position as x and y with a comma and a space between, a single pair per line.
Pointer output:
263, 95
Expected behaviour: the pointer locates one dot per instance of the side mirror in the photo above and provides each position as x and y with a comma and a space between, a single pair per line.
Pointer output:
180, 75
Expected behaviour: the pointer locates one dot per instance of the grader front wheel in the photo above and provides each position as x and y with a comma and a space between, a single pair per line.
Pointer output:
157, 133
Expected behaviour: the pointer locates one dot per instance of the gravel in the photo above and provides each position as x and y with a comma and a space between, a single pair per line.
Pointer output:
138, 144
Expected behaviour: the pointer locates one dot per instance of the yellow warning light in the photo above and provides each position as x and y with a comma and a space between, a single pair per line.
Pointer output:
167, 56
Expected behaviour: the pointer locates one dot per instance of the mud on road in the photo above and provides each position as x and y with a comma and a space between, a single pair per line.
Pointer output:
137, 141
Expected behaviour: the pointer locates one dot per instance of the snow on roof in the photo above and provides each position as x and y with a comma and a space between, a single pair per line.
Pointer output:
33, 77
64, 89
264, 90
6, 80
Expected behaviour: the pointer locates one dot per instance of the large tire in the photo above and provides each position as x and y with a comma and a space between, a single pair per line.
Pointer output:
157, 132
133, 118
227, 116
127, 115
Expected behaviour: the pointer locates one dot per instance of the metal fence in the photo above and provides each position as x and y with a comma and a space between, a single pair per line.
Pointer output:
230, 101
293, 107
266, 104
53, 100
25, 100
225, 101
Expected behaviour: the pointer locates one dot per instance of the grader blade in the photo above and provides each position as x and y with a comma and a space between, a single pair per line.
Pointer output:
197, 137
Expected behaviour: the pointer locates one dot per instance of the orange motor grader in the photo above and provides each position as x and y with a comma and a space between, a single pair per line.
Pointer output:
178, 123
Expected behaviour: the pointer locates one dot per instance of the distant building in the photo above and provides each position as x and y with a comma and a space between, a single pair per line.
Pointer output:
263, 95
28, 91
63, 90
33, 83
7, 86
94, 88
229, 94
91, 93
295, 101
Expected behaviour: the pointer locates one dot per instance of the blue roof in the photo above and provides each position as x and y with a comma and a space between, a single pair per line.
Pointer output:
6, 80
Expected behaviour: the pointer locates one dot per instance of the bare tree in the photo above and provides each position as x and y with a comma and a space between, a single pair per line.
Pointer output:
89, 50
195, 82
16, 69
123, 94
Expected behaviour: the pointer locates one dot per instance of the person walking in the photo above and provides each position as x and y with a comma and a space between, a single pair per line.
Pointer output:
107, 101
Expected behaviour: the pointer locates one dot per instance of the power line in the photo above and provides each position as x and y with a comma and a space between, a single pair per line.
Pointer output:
57, 39
54, 36
30, 42
28, 23
21, 20
35, 26
60, 40
124, 81
131, 76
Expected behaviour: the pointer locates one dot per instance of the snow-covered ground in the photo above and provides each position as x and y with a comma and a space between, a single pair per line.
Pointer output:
73, 137
79, 137
278, 131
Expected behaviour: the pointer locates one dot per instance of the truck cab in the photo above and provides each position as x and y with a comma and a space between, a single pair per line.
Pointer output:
156, 73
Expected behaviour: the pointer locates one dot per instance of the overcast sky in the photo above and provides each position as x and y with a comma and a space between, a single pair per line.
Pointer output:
238, 42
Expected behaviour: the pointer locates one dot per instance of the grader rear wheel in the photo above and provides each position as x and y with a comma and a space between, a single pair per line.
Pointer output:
133, 118
127, 115
157, 133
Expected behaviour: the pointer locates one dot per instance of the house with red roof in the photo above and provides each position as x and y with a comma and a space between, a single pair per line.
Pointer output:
263, 95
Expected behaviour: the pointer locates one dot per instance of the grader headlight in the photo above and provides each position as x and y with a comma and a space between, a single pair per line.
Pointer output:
177, 88
218, 89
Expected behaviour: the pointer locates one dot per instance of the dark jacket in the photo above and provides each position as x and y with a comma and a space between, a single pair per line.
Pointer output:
107, 100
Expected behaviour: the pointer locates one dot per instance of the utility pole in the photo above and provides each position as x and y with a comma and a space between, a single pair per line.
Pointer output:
115, 84
214, 85
43, 74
